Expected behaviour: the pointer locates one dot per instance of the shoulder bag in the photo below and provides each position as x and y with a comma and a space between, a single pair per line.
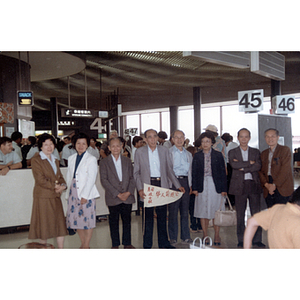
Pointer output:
225, 217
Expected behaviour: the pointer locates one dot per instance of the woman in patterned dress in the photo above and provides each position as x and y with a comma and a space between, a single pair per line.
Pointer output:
209, 183
82, 191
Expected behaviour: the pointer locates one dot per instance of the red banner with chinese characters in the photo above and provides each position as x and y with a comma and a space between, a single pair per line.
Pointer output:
157, 196
6, 113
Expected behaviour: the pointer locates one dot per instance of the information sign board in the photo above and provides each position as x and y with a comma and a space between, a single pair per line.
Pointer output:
283, 104
251, 101
25, 98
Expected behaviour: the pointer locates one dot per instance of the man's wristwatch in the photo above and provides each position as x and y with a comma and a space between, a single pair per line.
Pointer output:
9, 167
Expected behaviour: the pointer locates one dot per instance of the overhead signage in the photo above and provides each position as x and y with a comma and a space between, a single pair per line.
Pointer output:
283, 104
251, 101
102, 135
97, 125
130, 131
78, 113
103, 114
25, 98
66, 123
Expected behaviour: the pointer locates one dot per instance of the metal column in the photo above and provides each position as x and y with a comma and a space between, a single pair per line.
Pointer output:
173, 118
275, 89
54, 116
197, 111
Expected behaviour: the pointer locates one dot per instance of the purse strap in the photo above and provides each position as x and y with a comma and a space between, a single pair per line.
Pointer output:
230, 206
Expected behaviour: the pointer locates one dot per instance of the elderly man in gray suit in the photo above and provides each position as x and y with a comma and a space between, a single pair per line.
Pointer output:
245, 183
153, 165
116, 174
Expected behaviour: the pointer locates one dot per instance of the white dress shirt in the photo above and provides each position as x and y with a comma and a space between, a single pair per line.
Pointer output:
247, 176
154, 162
118, 166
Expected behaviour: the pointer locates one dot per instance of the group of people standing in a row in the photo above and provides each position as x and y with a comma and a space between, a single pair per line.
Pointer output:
203, 174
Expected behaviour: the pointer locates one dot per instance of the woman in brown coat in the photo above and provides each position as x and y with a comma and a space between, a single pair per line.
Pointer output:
47, 218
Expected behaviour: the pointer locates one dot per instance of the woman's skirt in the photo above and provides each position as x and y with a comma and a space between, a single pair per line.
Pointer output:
80, 216
47, 219
209, 201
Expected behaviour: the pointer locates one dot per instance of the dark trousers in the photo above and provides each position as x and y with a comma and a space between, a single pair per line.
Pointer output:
148, 216
276, 198
195, 222
114, 212
241, 205
182, 205
229, 175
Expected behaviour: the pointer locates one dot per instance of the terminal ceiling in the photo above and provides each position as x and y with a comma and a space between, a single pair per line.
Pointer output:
153, 79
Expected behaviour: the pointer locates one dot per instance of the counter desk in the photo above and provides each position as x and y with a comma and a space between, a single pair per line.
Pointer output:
16, 197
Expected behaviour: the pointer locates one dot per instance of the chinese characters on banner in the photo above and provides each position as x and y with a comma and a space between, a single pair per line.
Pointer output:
156, 196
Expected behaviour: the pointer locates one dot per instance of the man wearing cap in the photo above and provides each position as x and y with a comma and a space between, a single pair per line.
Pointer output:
9, 159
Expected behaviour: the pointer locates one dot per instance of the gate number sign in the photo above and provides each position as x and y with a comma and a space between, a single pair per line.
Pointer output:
283, 104
251, 101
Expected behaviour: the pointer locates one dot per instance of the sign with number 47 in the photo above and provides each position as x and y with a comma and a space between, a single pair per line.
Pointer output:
283, 104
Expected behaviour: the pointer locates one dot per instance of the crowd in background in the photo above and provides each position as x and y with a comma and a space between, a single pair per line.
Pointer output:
213, 168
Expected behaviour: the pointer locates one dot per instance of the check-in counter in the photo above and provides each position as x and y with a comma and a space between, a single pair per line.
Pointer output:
16, 197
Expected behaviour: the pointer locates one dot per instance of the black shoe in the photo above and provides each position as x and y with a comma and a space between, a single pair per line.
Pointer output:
240, 245
259, 245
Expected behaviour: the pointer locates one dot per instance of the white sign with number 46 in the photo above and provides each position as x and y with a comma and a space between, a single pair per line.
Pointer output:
283, 104
251, 101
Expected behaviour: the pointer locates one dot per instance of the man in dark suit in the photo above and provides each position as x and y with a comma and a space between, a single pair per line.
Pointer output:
153, 165
116, 175
245, 184
276, 172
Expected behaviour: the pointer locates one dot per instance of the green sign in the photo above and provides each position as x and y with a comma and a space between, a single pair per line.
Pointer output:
101, 135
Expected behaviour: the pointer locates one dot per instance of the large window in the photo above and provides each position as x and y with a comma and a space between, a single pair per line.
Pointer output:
232, 121
186, 123
210, 115
133, 121
165, 122
150, 120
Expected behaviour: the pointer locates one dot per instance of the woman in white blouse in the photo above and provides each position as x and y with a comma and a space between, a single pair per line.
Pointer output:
81, 190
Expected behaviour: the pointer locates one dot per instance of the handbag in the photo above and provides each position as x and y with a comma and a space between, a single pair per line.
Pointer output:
226, 217
202, 245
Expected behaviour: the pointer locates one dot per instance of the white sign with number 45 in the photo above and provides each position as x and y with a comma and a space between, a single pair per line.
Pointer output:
251, 101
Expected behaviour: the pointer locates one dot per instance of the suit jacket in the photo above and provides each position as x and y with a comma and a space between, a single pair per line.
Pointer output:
141, 171
217, 168
281, 170
45, 178
85, 176
111, 183
237, 178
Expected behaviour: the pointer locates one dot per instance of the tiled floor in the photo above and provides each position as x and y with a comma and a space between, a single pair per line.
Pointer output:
101, 235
